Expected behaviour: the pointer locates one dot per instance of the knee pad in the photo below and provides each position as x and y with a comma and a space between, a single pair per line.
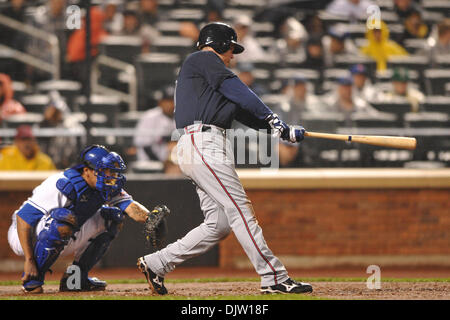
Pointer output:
50, 242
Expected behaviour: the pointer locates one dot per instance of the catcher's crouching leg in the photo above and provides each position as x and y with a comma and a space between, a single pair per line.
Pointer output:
50, 242
90, 257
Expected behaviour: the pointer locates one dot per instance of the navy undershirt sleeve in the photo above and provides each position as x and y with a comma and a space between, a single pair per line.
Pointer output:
235, 90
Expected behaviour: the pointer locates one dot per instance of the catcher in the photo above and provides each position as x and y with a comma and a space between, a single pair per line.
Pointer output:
79, 211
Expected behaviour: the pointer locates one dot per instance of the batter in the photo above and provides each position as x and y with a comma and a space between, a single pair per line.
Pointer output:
209, 96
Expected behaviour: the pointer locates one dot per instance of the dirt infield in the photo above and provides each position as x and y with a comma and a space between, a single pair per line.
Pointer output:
335, 290
405, 289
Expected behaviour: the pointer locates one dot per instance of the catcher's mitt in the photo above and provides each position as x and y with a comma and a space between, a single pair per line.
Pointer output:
155, 227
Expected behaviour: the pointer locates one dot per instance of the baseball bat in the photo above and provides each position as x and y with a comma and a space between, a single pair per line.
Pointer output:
382, 141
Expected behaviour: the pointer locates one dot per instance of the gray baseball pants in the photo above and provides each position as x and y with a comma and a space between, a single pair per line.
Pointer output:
206, 157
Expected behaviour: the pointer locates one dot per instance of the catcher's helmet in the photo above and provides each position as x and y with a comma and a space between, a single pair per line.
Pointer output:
109, 168
218, 36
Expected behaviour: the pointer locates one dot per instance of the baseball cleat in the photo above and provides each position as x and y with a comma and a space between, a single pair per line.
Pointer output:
155, 282
89, 284
33, 286
288, 286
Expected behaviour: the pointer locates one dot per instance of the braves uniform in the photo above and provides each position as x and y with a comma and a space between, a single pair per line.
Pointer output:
209, 96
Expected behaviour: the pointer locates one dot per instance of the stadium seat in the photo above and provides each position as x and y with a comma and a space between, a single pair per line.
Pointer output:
29, 118
412, 62
397, 106
168, 28
193, 15
346, 61
437, 104
129, 119
286, 74
147, 167
20, 89
415, 45
426, 120
335, 74
154, 71
442, 6
442, 60
102, 110
435, 80
124, 48
67, 88
382, 120
173, 44
35, 102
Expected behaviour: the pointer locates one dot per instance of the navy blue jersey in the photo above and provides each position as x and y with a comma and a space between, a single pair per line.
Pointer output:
197, 96
210, 93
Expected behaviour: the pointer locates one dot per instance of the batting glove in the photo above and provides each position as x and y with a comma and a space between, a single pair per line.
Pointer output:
293, 134
278, 126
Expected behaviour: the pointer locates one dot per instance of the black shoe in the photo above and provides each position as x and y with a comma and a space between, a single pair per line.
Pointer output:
156, 282
289, 286
89, 284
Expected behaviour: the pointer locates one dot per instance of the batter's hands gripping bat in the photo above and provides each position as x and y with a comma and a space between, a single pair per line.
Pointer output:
382, 141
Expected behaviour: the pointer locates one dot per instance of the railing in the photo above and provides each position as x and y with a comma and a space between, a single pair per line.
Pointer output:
52, 68
129, 69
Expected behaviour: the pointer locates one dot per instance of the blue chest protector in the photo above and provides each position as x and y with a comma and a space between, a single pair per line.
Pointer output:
85, 200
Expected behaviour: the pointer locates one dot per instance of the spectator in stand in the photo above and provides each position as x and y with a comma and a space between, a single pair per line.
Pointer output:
441, 40
349, 9
336, 43
253, 50
24, 154
148, 10
404, 7
315, 58
293, 36
314, 24
362, 87
380, 47
401, 88
213, 13
76, 47
61, 149
415, 28
113, 22
245, 73
133, 27
343, 101
8, 106
300, 100
154, 131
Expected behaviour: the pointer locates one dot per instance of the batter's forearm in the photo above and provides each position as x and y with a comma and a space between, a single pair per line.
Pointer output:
137, 212
25, 233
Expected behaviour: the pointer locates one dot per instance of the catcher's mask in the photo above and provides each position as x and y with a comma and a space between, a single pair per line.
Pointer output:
108, 167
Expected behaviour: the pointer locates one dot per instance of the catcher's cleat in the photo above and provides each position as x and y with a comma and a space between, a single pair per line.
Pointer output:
89, 284
288, 286
33, 287
155, 282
